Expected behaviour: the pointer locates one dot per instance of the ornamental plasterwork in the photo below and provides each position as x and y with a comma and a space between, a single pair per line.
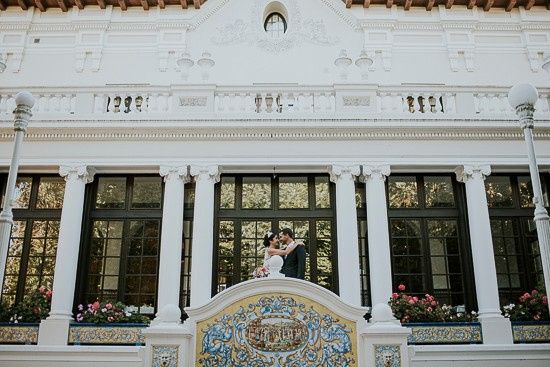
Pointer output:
356, 101
252, 31
193, 101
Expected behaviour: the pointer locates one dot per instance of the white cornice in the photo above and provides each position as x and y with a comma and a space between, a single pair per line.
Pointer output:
156, 132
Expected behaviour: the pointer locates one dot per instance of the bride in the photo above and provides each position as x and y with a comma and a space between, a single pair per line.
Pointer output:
271, 244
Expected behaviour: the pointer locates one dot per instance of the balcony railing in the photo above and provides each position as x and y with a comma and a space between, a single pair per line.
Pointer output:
348, 101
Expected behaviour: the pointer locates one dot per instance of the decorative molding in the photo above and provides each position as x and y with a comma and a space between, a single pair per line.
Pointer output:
356, 101
442, 333
273, 131
470, 172
338, 172
174, 173
106, 334
77, 172
377, 172
241, 31
193, 101
202, 173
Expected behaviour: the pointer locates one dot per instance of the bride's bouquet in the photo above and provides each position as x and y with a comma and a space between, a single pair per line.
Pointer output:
260, 272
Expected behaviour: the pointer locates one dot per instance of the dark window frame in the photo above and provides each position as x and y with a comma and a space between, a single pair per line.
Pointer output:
518, 215
274, 215
30, 215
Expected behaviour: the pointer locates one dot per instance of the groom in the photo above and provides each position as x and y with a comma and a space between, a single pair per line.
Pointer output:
294, 265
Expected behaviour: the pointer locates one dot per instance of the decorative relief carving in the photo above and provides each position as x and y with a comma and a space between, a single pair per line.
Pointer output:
165, 355
193, 101
309, 30
356, 101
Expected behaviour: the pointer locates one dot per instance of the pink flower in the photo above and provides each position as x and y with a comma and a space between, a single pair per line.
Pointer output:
42, 289
108, 306
49, 294
110, 318
95, 305
429, 309
401, 287
544, 300
526, 295
415, 299
394, 296
411, 301
534, 292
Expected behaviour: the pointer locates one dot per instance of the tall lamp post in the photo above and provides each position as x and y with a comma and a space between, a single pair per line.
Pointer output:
522, 98
22, 114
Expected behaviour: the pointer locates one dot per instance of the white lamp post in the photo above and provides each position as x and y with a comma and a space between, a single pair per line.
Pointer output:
522, 98
22, 115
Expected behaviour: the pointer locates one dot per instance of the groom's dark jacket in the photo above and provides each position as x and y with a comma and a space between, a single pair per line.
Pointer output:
294, 265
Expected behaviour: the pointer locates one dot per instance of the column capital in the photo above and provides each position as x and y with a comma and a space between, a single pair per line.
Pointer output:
378, 172
210, 172
73, 172
338, 171
174, 172
469, 172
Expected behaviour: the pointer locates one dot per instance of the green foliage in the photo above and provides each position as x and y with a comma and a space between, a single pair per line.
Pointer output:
426, 309
531, 307
108, 312
34, 307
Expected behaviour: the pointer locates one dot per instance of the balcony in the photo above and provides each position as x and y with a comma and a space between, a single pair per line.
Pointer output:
271, 102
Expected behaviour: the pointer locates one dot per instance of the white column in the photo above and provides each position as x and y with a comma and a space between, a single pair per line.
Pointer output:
496, 329
175, 179
203, 233
346, 225
378, 233
54, 330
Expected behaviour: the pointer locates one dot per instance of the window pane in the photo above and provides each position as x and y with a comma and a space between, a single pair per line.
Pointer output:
111, 193
227, 195
50, 193
402, 192
256, 193
439, 192
147, 192
499, 192
322, 192
293, 193
360, 197
22, 193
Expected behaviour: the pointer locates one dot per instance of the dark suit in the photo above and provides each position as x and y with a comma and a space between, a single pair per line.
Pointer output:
294, 265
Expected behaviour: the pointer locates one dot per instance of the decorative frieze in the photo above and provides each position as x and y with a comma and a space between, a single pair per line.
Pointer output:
445, 333
18, 333
356, 101
111, 334
193, 101
531, 332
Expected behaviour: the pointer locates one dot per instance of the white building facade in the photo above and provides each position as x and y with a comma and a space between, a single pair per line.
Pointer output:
165, 142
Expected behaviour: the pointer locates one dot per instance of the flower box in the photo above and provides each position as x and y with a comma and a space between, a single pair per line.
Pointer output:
106, 334
444, 333
21, 333
531, 331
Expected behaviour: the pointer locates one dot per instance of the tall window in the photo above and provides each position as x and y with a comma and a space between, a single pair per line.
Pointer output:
515, 244
275, 25
250, 206
428, 246
123, 241
33, 244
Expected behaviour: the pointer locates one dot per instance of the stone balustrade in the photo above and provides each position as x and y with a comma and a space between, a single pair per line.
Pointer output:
353, 101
